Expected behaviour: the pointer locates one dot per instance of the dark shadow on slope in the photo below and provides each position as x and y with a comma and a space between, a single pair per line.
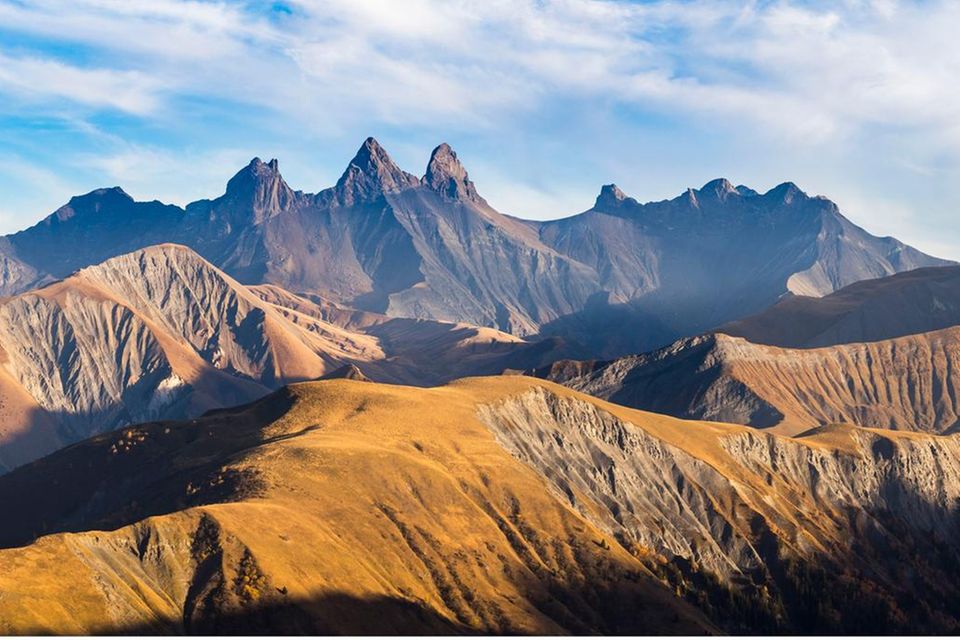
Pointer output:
341, 614
134, 472
334, 614
611, 330
894, 578
386, 252
656, 319
684, 383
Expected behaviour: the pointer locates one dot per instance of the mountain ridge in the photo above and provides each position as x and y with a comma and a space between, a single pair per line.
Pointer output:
162, 333
906, 383
431, 247
916, 301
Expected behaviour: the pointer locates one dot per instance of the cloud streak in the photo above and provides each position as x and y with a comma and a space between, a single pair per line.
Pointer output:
863, 85
809, 71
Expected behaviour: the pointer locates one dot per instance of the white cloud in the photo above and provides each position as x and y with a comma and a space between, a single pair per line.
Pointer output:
35, 79
805, 72
867, 83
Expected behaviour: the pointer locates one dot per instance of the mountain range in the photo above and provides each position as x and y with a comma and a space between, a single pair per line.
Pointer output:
284, 412
386, 241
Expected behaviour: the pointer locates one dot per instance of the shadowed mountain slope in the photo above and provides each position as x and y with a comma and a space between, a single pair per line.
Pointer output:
908, 383
493, 504
900, 305
682, 266
385, 241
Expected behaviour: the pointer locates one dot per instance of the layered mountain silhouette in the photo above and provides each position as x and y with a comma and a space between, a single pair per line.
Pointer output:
907, 383
228, 456
162, 333
497, 505
385, 241
918, 301
879, 353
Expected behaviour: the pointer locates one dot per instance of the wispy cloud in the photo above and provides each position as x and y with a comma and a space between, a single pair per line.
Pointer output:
860, 83
44, 81
810, 70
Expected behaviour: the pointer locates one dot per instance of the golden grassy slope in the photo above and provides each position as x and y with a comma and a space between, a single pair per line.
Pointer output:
393, 506
493, 504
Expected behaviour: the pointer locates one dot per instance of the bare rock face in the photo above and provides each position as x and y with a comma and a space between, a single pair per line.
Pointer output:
763, 513
447, 176
370, 174
610, 197
89, 362
903, 384
257, 192
161, 333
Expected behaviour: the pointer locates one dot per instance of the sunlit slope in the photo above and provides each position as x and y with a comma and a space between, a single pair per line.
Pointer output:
336, 506
908, 383
503, 504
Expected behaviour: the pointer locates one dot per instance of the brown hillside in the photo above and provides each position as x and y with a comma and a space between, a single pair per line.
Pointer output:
492, 504
907, 383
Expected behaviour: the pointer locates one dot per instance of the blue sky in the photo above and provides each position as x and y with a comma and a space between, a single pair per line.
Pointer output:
543, 100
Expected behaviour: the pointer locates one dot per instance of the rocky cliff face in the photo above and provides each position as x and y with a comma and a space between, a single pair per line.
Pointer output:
905, 384
816, 532
383, 240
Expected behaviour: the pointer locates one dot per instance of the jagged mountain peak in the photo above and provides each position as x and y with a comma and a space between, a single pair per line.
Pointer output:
720, 188
255, 193
785, 192
371, 173
718, 184
611, 197
446, 175
256, 171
